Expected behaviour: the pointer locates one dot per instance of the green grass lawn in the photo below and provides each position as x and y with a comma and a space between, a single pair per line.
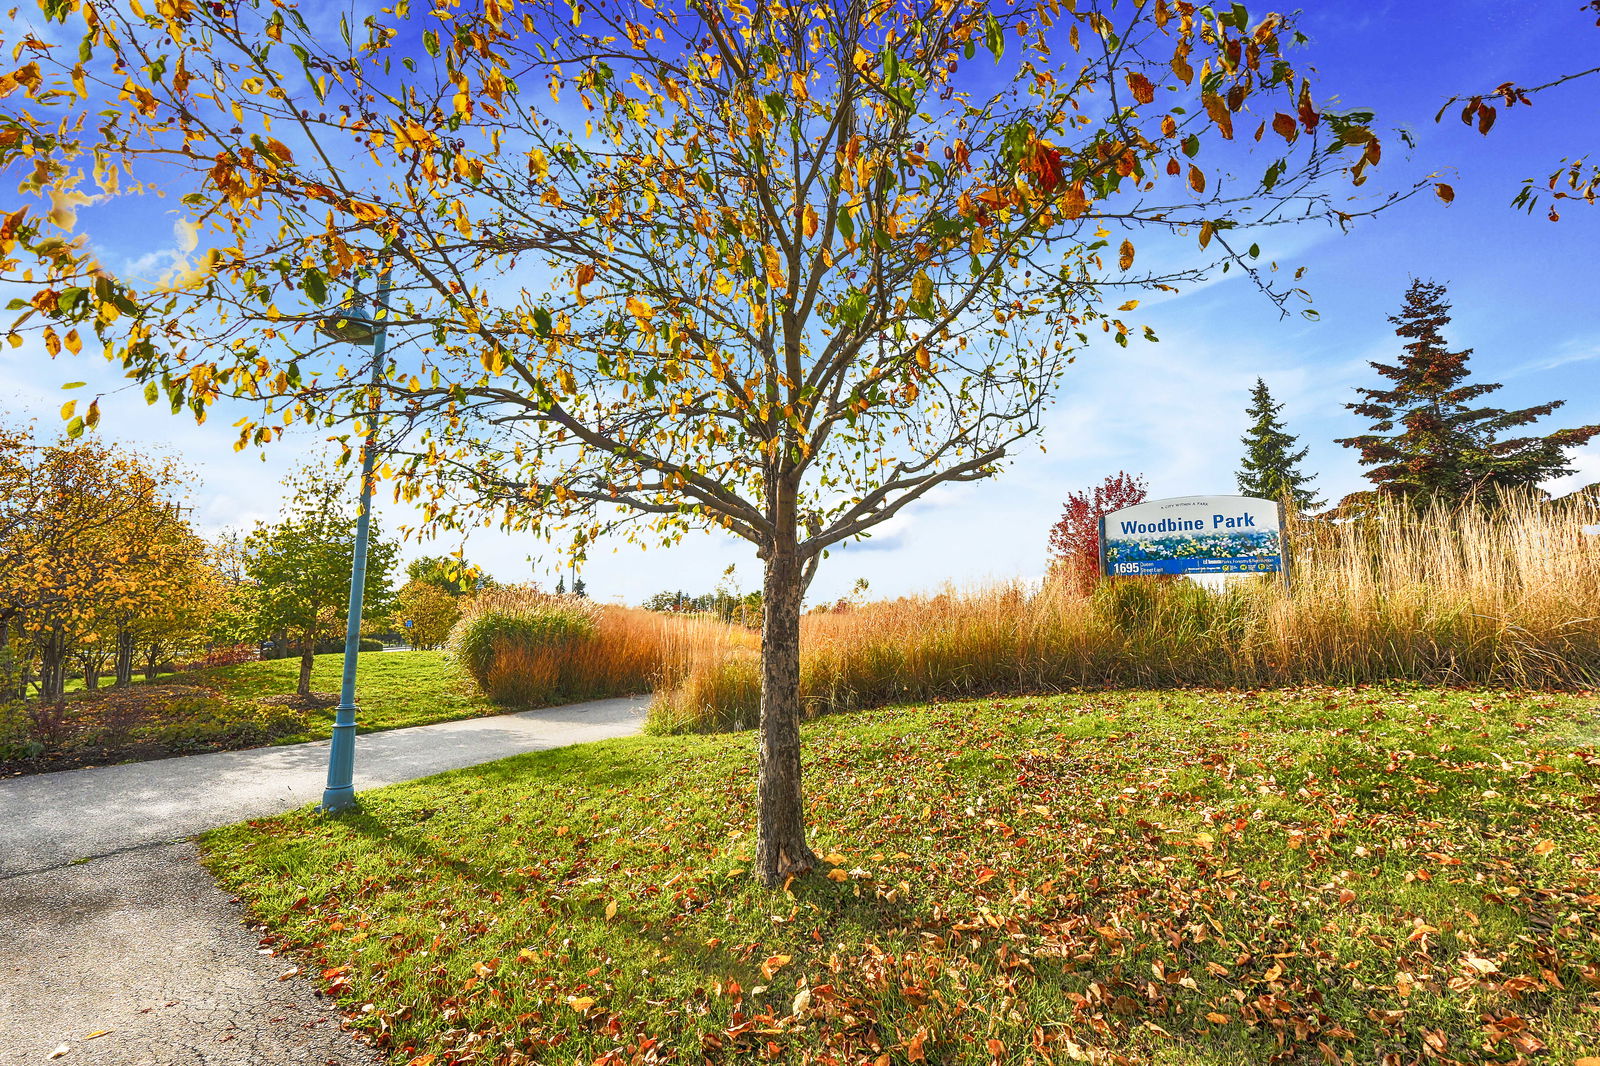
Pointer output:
393, 689
230, 707
1358, 876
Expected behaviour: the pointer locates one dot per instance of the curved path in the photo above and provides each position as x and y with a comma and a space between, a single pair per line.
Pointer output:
117, 949
50, 819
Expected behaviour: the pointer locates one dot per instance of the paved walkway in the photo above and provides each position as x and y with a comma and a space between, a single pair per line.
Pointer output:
143, 949
50, 819
117, 949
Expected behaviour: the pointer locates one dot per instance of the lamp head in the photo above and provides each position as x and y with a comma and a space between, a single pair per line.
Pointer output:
351, 323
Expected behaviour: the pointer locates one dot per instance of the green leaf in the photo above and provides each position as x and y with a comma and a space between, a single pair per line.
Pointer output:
994, 38
430, 42
75, 428
542, 321
315, 285
151, 392
1191, 146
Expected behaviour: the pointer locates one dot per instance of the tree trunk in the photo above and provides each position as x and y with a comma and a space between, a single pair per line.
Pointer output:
781, 849
91, 673
152, 659
123, 670
308, 651
52, 667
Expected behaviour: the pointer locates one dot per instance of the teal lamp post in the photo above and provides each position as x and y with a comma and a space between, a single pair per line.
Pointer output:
356, 327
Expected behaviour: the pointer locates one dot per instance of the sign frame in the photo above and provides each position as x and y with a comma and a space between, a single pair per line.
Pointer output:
1236, 511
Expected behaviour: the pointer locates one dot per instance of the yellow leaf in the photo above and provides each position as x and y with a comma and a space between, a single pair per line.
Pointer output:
67, 409
611, 910
1544, 847
921, 287
581, 1004
639, 309
1217, 1019
808, 221
837, 874
1129, 306
1125, 255
775, 277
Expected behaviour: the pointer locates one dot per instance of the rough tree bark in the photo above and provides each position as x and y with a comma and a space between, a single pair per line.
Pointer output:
53, 667
781, 850
123, 671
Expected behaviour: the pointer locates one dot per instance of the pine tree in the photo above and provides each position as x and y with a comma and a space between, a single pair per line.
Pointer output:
1270, 469
1431, 439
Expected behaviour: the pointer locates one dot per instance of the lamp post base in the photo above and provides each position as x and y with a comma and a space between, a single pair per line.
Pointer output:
335, 800
340, 793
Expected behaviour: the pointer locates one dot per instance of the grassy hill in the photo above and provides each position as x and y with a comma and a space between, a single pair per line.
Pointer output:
1314, 875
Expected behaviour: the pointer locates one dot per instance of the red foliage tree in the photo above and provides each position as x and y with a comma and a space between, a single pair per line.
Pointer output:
1075, 538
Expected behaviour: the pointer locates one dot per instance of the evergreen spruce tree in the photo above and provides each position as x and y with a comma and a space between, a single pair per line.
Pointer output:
1270, 469
1431, 439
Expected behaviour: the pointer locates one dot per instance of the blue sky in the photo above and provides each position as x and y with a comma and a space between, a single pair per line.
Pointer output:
1525, 290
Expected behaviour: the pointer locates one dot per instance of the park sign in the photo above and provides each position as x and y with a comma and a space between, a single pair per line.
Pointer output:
1193, 535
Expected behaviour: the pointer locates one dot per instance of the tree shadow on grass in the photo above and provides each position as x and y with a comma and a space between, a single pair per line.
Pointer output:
825, 906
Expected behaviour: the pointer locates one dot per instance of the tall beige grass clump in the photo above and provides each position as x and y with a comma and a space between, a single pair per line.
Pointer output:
525, 648
1501, 595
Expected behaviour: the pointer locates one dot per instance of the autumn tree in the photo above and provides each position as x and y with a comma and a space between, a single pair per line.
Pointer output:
1270, 469
1075, 538
778, 270
302, 567
93, 558
1432, 438
425, 612
448, 573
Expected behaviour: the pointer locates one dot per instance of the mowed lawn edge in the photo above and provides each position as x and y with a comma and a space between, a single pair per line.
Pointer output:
1377, 874
230, 708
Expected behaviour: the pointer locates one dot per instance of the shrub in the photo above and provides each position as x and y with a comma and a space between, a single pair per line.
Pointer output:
494, 630
525, 648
